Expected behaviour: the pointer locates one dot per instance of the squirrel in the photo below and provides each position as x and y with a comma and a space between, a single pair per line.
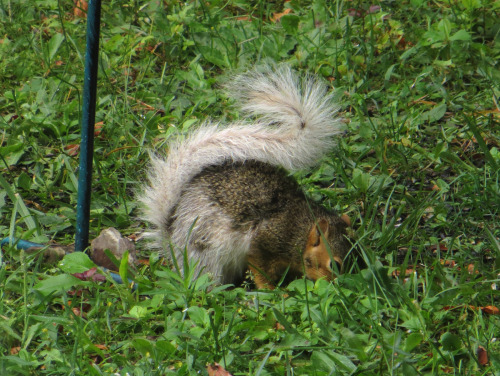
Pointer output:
224, 194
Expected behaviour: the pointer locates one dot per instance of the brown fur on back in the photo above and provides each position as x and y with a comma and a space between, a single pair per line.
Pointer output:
258, 201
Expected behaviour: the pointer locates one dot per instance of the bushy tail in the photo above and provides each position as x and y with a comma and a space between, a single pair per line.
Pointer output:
293, 127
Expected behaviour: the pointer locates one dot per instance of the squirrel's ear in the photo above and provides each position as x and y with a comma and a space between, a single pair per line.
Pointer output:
345, 218
317, 231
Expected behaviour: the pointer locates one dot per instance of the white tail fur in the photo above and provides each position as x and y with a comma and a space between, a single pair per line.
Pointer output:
293, 128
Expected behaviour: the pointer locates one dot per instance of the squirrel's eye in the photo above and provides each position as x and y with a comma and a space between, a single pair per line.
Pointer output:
331, 267
339, 265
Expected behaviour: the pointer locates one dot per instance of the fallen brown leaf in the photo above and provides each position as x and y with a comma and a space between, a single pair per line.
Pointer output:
77, 312
482, 355
217, 370
98, 128
471, 269
449, 263
80, 9
491, 310
277, 16
90, 275
72, 149
407, 272
15, 350
278, 326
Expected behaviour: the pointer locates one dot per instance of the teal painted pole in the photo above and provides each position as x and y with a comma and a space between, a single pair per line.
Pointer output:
88, 121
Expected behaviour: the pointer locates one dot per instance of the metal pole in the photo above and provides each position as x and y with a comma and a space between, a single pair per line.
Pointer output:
88, 121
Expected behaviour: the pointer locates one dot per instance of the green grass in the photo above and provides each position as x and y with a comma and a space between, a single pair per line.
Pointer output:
417, 171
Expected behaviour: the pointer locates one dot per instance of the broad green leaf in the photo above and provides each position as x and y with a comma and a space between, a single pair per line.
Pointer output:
389, 72
355, 343
165, 347
412, 341
54, 44
143, 346
322, 362
76, 262
58, 283
290, 23
461, 35
361, 180
198, 315
435, 114
330, 360
12, 153
450, 341
138, 312
471, 4
8, 331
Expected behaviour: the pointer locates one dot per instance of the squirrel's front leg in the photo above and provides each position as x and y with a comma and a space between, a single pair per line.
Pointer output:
261, 279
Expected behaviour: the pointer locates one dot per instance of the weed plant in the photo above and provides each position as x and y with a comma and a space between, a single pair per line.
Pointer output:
417, 172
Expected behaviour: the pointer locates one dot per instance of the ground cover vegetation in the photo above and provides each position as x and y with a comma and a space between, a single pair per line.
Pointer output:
416, 171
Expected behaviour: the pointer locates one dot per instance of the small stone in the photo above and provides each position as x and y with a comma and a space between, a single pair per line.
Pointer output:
111, 239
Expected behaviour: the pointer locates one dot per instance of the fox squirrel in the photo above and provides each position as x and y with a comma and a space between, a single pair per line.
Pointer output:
224, 194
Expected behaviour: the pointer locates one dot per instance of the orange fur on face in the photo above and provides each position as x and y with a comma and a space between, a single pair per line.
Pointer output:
317, 261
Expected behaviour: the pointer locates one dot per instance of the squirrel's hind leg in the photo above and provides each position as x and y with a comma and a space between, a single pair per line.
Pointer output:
210, 237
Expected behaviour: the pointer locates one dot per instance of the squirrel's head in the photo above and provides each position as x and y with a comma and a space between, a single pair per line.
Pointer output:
325, 249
